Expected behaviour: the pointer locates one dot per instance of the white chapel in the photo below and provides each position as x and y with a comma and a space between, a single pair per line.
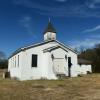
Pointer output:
49, 59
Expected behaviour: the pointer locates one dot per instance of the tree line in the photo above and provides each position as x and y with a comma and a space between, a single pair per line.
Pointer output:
92, 55
3, 60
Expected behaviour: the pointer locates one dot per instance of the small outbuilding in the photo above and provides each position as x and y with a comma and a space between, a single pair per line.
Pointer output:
85, 66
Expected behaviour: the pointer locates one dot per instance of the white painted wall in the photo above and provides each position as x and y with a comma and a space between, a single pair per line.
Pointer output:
60, 66
60, 53
45, 64
27, 71
49, 36
14, 66
74, 68
84, 68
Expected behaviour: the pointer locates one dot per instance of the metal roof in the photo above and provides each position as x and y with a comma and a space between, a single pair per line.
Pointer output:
83, 61
53, 48
39, 44
49, 28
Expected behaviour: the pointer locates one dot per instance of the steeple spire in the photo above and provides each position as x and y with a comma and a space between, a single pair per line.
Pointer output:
50, 32
49, 28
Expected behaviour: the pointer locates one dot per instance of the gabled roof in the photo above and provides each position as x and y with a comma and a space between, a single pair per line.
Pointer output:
54, 48
49, 28
39, 44
66, 46
28, 47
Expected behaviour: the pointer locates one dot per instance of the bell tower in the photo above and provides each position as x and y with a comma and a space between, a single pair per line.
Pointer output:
50, 32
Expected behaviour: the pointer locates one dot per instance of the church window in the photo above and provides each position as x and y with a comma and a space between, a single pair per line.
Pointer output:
15, 61
18, 60
34, 60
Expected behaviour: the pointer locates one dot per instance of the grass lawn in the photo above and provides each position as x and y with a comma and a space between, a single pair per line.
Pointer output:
81, 88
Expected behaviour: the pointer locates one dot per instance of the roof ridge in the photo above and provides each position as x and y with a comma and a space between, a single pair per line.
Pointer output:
29, 46
66, 46
41, 43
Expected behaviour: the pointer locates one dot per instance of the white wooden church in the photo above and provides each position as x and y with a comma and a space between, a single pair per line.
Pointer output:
49, 59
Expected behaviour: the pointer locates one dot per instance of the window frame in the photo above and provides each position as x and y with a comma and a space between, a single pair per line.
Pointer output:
34, 64
18, 61
15, 61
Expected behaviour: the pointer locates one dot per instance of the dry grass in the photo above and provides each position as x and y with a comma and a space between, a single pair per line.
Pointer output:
81, 88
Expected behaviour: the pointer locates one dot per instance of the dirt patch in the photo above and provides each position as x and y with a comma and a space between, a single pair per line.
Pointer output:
39, 86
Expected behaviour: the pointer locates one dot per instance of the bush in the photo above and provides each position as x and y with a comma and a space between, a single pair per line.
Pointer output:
3, 64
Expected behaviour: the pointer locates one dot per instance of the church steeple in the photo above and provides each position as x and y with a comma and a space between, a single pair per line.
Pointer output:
50, 32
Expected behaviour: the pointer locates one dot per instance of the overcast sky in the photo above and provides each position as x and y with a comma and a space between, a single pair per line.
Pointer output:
23, 22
